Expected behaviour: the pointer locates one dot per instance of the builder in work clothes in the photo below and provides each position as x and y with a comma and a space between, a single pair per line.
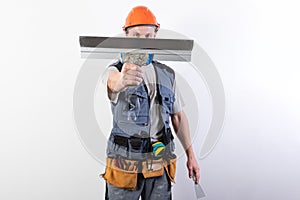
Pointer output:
143, 94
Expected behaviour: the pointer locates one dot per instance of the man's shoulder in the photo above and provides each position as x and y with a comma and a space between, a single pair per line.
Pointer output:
163, 66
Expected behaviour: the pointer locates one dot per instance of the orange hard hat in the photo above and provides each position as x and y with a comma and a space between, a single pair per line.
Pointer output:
140, 15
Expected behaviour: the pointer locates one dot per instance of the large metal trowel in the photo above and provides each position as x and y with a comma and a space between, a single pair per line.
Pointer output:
111, 47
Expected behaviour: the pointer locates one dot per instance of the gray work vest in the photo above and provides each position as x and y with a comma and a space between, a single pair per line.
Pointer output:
131, 117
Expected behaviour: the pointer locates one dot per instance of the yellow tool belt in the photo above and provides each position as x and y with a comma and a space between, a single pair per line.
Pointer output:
123, 173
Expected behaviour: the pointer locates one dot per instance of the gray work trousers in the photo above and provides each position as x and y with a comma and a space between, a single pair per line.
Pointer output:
156, 188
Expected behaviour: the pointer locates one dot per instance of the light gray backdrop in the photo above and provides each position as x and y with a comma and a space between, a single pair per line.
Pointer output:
254, 45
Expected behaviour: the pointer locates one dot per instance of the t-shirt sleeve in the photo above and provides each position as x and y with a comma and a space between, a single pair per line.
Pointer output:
113, 96
179, 102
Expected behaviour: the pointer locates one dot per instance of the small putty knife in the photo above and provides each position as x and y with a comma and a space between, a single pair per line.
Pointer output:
198, 190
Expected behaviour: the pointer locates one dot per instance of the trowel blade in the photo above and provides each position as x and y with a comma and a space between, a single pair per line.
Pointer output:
199, 191
111, 47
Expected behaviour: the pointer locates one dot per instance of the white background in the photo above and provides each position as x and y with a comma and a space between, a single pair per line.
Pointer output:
254, 44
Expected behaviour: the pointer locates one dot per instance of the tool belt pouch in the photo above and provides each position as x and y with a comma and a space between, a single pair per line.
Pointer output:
153, 168
170, 167
119, 177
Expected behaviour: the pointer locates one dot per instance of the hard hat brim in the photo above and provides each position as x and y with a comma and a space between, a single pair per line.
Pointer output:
126, 27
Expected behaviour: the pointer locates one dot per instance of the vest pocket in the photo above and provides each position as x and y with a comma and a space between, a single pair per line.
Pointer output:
135, 108
167, 102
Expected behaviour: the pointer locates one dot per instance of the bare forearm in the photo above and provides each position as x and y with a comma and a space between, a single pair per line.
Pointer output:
181, 128
113, 81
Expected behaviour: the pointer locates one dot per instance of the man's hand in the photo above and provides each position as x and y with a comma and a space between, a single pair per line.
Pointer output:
193, 167
181, 127
131, 75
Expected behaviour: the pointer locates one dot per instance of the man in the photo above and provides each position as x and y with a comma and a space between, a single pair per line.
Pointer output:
140, 152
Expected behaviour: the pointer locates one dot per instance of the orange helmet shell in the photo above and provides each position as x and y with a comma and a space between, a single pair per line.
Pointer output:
140, 15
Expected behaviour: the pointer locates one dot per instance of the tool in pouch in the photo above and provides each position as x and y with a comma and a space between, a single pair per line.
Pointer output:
121, 173
158, 149
152, 162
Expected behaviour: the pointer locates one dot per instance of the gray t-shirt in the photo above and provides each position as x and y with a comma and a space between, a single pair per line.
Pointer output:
149, 78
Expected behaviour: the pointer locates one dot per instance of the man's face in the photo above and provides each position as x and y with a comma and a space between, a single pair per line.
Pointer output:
141, 32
